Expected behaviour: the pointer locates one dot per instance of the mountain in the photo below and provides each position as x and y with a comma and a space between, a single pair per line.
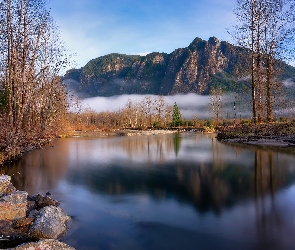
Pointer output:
194, 69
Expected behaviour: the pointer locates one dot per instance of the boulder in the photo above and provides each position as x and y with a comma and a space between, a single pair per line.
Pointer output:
15, 197
44, 245
13, 206
10, 189
50, 223
44, 201
23, 222
4, 183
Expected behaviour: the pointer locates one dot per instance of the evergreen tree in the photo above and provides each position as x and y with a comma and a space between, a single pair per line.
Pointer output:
176, 117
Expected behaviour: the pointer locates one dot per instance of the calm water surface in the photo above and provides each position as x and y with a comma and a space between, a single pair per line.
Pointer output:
184, 191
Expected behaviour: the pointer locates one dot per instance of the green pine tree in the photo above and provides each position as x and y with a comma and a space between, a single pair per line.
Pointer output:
176, 117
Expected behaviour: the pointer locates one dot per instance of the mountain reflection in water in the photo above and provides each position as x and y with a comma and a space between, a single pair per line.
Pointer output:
235, 183
208, 185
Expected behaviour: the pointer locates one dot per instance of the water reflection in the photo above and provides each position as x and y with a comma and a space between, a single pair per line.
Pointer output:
268, 178
176, 143
39, 170
195, 171
208, 174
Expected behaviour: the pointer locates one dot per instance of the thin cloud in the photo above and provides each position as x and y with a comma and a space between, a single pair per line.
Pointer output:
288, 83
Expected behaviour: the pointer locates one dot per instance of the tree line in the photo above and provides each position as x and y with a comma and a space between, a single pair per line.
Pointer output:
149, 112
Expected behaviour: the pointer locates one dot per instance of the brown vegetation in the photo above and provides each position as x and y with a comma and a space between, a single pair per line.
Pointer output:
32, 97
151, 112
256, 131
148, 113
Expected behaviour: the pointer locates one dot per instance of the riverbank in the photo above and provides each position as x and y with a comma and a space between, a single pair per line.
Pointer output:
272, 134
121, 132
14, 152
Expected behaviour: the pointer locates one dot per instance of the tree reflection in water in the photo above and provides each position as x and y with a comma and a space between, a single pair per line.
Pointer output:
269, 177
40, 170
192, 170
176, 143
148, 164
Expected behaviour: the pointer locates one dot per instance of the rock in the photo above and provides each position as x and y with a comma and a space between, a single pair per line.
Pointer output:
44, 245
10, 236
4, 183
20, 220
31, 205
32, 197
50, 223
43, 201
13, 206
10, 189
15, 197
23, 222
5, 226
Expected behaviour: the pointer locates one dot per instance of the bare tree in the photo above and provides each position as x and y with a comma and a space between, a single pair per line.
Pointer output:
32, 57
216, 99
266, 28
278, 35
245, 34
159, 107
148, 110
139, 114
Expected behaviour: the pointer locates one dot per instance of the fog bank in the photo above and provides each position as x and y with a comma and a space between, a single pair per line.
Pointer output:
190, 105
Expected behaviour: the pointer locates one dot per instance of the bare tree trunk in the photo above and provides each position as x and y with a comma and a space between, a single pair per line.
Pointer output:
253, 80
269, 114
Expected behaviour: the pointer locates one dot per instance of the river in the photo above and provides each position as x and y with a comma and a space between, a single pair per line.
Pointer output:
177, 191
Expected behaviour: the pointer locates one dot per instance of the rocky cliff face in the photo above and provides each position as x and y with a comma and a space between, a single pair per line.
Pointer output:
194, 69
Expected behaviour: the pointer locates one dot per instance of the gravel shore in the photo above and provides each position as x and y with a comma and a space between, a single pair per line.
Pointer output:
127, 132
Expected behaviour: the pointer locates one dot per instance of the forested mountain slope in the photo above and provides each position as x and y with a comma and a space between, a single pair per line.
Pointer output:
194, 69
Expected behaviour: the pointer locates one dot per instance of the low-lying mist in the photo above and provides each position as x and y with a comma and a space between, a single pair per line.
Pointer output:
190, 105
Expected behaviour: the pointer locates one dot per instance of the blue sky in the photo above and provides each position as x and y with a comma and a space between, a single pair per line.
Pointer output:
93, 28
